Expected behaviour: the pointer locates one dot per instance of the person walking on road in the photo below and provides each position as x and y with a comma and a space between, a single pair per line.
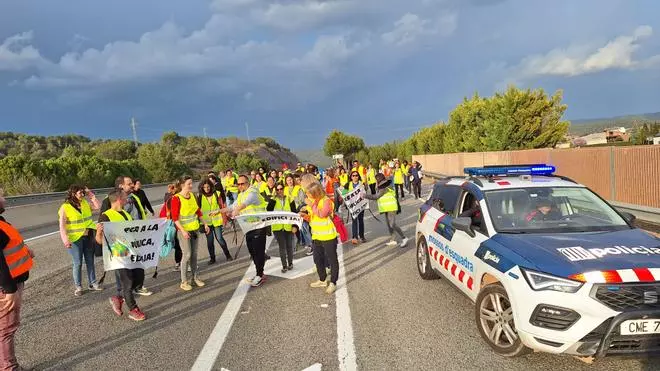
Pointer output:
319, 214
358, 222
15, 264
282, 232
371, 179
127, 277
250, 201
388, 205
186, 215
76, 231
165, 212
416, 179
211, 204
399, 178
144, 200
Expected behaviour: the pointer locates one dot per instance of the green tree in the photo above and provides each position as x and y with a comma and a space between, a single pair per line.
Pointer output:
340, 143
225, 161
116, 149
160, 163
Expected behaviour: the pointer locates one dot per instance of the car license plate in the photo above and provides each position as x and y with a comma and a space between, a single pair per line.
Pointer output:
640, 327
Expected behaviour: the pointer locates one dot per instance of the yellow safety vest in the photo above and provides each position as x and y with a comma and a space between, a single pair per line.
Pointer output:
405, 169
350, 186
343, 179
262, 187
77, 222
188, 213
291, 192
398, 176
231, 184
387, 203
252, 209
282, 207
209, 207
139, 205
116, 216
371, 176
323, 229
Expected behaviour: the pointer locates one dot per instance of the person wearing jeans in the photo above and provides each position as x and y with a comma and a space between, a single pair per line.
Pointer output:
76, 226
282, 232
186, 215
211, 204
319, 213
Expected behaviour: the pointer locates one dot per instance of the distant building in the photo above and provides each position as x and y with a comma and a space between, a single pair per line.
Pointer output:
656, 139
617, 135
592, 139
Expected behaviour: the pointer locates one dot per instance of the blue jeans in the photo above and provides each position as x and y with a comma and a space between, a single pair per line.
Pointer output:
234, 196
306, 234
216, 232
83, 249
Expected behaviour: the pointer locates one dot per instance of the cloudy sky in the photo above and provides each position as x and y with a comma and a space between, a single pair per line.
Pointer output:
294, 69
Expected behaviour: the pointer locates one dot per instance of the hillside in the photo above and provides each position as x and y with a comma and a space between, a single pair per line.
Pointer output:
314, 156
587, 126
33, 164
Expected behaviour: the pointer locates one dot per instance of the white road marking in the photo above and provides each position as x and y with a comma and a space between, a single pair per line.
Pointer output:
209, 354
42, 236
345, 342
314, 367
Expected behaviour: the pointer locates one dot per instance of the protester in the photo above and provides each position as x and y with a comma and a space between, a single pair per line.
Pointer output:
211, 205
319, 214
343, 176
76, 231
250, 202
269, 192
282, 232
186, 215
371, 179
358, 222
405, 168
230, 186
388, 205
415, 172
217, 184
172, 189
116, 213
12, 281
261, 184
139, 192
398, 180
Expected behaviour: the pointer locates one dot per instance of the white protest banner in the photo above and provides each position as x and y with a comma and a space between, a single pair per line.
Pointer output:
354, 202
133, 244
254, 221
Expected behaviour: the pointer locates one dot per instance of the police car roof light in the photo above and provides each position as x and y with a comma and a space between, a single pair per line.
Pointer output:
535, 169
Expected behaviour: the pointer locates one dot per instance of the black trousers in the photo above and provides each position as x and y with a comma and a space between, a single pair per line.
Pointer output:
128, 279
358, 226
372, 187
417, 188
178, 254
398, 187
256, 244
325, 253
285, 242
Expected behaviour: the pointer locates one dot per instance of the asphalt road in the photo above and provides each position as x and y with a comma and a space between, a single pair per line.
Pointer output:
385, 316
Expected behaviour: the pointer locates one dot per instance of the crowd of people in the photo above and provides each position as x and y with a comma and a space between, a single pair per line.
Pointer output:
316, 195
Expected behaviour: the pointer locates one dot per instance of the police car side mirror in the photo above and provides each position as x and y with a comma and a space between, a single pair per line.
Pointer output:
464, 224
630, 218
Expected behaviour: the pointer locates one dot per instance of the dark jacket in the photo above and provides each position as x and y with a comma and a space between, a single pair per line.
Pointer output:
7, 283
144, 200
271, 205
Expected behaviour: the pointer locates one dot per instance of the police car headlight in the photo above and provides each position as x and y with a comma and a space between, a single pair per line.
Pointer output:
541, 281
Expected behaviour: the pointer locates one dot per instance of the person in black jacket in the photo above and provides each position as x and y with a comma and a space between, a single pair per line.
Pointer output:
142, 196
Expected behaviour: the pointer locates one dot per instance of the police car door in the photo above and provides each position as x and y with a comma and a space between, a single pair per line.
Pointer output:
465, 273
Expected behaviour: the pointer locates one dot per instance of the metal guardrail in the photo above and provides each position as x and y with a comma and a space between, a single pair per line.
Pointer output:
24, 200
643, 213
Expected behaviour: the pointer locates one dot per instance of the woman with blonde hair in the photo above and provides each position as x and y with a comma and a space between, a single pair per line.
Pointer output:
319, 213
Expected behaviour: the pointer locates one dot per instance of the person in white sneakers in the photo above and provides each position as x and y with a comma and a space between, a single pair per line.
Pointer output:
388, 205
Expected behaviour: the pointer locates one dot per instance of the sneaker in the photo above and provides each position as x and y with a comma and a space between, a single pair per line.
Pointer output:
290, 267
142, 291
78, 291
136, 315
318, 284
117, 302
284, 269
212, 261
308, 251
198, 282
95, 287
229, 258
267, 257
404, 242
257, 281
391, 243
331, 288
185, 286
354, 241
363, 240
177, 267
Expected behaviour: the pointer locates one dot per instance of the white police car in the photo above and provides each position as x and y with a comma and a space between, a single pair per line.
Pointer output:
549, 264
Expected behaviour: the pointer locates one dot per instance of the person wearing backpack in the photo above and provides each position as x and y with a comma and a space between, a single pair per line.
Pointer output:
389, 206
211, 204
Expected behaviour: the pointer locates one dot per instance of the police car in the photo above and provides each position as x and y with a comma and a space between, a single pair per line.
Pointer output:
550, 265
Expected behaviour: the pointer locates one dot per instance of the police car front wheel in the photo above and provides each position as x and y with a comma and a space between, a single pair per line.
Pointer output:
423, 261
494, 317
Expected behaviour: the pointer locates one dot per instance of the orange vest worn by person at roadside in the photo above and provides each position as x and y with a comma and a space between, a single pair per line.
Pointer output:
16, 252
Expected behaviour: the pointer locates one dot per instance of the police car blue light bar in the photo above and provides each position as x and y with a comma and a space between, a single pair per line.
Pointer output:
537, 169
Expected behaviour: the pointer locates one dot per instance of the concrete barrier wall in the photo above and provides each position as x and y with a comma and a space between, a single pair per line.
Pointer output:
622, 174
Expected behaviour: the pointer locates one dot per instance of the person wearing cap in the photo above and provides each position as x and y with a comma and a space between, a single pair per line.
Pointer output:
544, 211
388, 205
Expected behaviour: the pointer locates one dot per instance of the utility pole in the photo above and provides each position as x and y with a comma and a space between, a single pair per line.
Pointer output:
247, 131
133, 127
205, 135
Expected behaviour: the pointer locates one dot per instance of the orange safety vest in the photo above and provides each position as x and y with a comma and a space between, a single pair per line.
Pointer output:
16, 252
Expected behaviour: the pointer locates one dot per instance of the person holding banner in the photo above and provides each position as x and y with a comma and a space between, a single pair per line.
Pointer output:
319, 213
128, 278
358, 222
388, 205
186, 215
282, 232
211, 204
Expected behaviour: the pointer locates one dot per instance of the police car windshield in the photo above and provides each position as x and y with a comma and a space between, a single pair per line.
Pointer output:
551, 210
